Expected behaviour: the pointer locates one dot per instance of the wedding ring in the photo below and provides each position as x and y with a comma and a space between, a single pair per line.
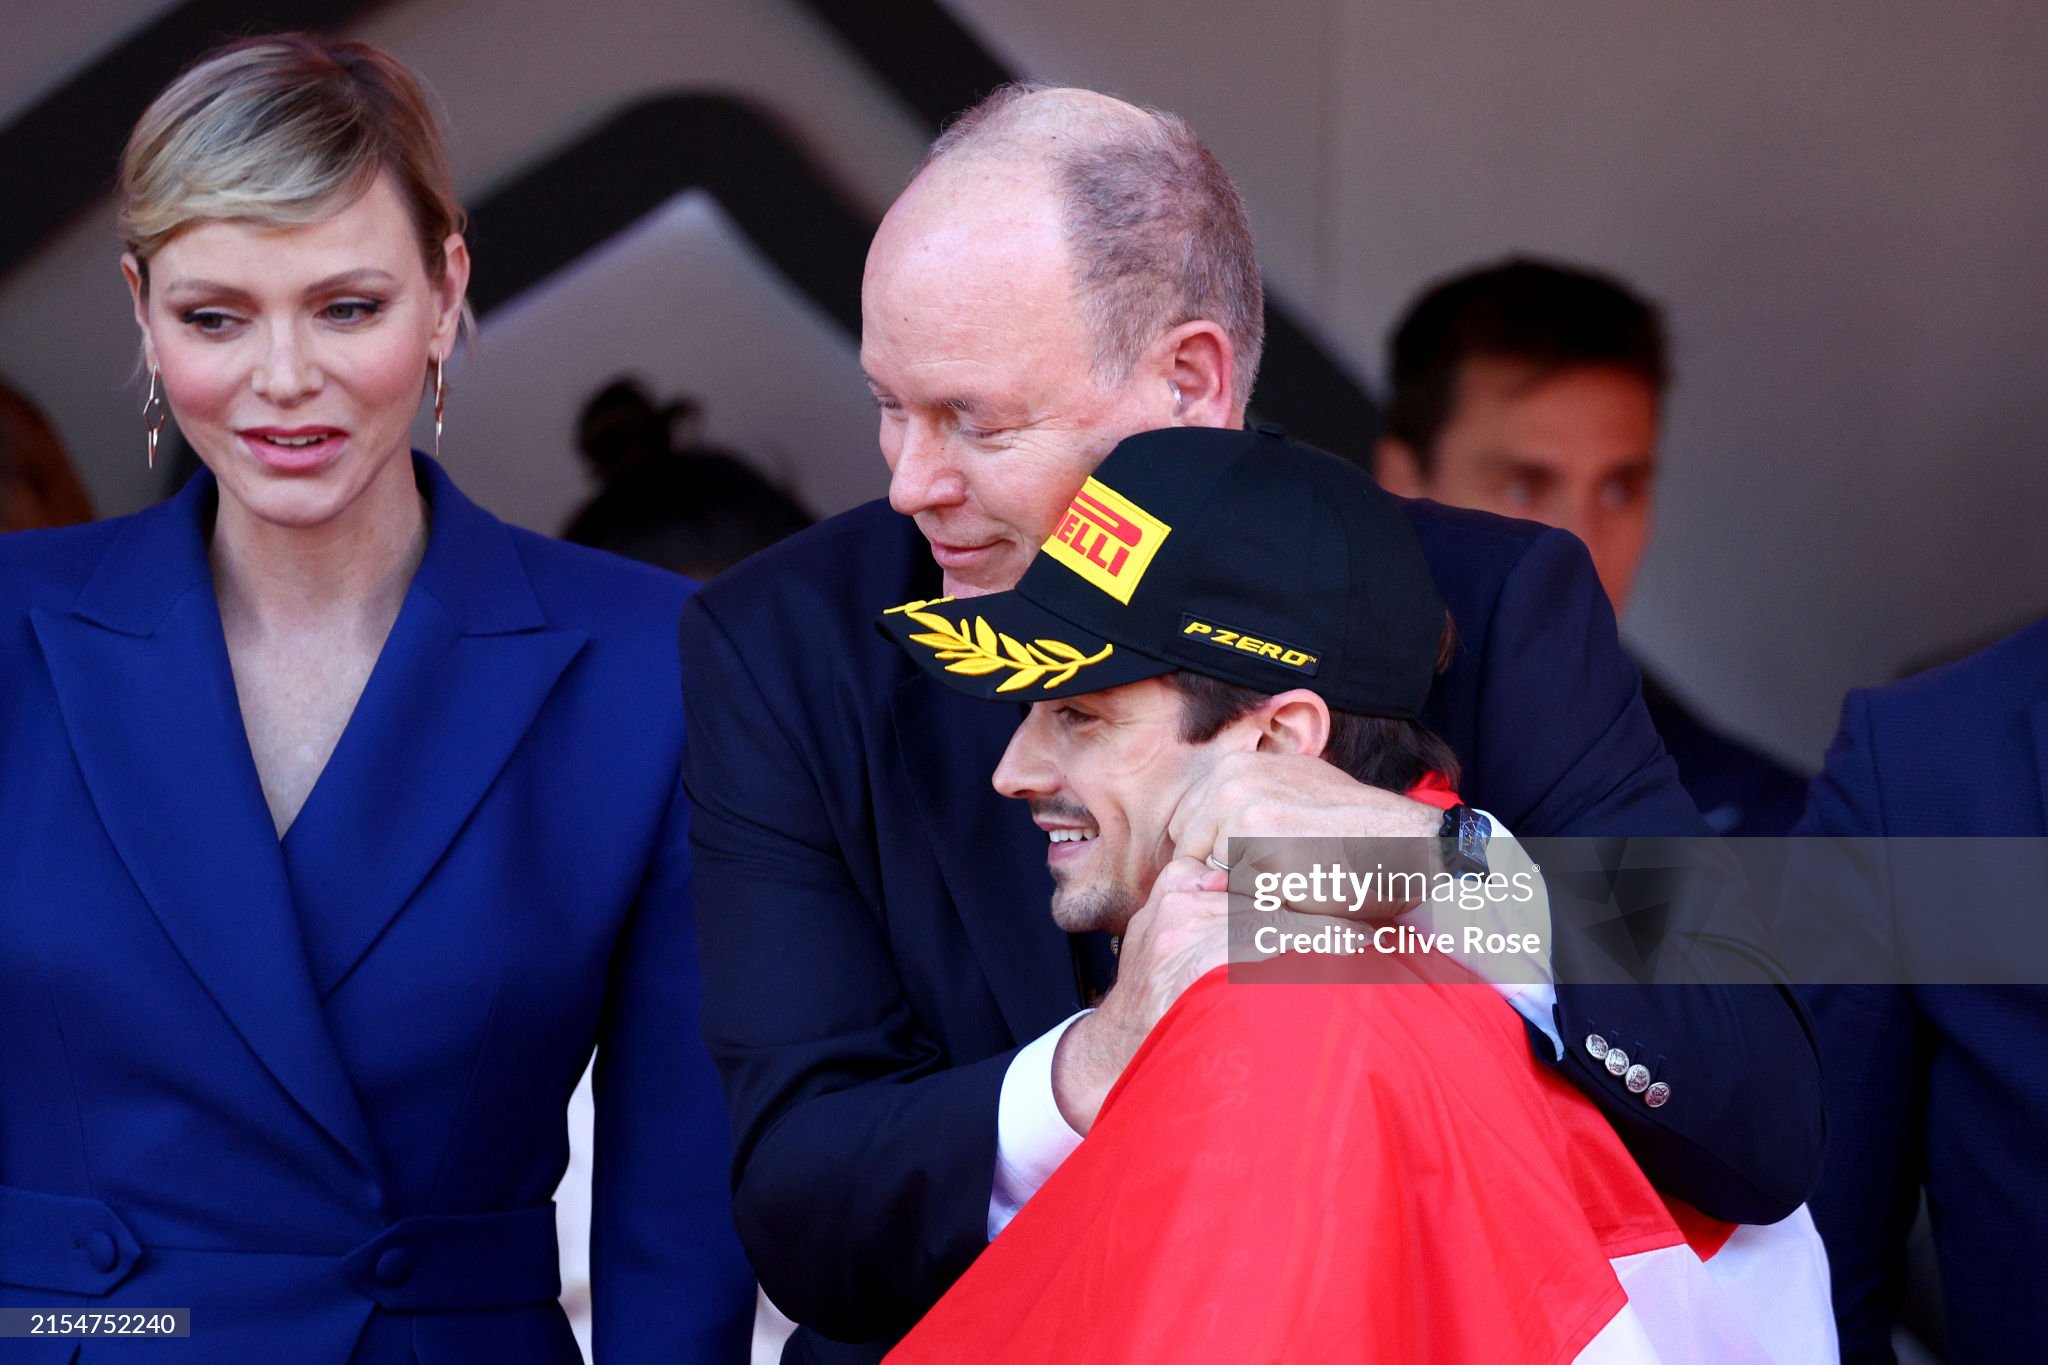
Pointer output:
1218, 864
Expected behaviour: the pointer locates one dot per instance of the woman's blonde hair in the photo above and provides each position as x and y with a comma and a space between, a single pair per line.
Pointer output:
283, 130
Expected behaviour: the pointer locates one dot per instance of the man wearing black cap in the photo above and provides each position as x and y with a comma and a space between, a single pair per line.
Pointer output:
1148, 579
1215, 592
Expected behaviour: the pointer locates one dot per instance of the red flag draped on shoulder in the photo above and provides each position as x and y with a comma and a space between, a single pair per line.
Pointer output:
1367, 1172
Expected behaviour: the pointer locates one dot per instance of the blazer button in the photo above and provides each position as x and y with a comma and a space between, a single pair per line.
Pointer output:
101, 1253
1597, 1047
1657, 1096
1617, 1061
1638, 1079
394, 1267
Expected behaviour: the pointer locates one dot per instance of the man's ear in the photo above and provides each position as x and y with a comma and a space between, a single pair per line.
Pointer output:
1296, 722
1200, 367
1398, 470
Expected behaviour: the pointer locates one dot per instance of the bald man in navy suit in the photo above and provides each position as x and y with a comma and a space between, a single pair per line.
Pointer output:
901, 1030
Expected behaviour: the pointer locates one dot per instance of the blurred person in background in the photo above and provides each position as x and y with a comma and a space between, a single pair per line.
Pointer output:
343, 819
1931, 1085
38, 487
683, 505
1534, 389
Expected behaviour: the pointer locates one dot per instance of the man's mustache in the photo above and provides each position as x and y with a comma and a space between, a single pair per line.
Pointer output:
1060, 808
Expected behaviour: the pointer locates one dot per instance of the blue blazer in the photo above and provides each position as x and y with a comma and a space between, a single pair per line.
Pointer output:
314, 1089
1740, 791
877, 943
1941, 1085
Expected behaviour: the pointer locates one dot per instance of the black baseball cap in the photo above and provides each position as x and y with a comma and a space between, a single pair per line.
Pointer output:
1242, 555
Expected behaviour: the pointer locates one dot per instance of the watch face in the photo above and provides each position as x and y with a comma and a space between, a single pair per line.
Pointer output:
1472, 833
1465, 835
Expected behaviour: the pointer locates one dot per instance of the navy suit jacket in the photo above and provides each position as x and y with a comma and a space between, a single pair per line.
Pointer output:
877, 943
1740, 791
1940, 1084
314, 1089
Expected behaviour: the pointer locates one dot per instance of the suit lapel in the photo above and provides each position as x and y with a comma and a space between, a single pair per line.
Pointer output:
148, 700
462, 677
991, 856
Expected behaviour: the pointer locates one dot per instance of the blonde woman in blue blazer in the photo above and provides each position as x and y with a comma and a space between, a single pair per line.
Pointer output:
340, 819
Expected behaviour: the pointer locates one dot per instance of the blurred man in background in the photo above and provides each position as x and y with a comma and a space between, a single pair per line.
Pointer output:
1934, 1085
1535, 390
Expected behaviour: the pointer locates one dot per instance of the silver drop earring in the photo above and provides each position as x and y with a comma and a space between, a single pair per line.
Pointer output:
440, 406
154, 410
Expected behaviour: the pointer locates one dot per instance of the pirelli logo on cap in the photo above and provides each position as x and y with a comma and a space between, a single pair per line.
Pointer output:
1107, 539
1223, 637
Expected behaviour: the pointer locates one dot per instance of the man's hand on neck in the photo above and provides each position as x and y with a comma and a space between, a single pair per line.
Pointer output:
1264, 795
1179, 936
1182, 932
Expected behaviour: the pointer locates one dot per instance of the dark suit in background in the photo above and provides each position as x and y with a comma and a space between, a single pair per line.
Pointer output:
1740, 790
1941, 1084
877, 943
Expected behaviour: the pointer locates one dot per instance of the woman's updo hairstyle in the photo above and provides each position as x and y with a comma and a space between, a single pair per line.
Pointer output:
283, 130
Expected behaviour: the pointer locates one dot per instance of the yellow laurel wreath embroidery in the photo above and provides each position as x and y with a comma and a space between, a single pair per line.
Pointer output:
982, 650
919, 603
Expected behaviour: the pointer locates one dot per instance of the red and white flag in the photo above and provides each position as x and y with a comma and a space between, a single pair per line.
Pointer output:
1368, 1172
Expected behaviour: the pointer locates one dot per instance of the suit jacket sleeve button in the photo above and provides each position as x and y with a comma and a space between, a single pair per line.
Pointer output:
1596, 1046
1657, 1095
1617, 1061
394, 1267
1637, 1080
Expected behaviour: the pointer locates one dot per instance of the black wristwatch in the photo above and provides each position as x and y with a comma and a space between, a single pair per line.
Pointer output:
1465, 833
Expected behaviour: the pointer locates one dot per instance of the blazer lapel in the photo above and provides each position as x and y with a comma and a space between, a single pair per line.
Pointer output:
991, 856
466, 669
148, 699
